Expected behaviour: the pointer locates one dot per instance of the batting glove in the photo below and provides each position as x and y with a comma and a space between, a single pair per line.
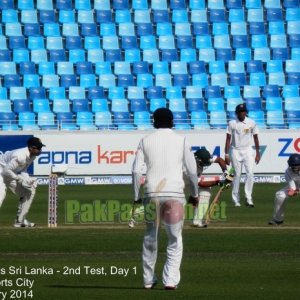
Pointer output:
193, 200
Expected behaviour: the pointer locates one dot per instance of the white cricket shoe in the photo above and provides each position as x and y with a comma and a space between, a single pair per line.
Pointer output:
237, 204
25, 223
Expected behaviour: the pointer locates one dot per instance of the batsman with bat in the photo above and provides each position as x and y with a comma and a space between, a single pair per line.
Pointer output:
203, 211
163, 155
292, 178
13, 175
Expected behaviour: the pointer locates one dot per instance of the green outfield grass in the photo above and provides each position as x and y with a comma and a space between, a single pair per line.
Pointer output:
237, 257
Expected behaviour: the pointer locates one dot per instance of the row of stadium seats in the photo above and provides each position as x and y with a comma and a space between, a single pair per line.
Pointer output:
143, 4
102, 120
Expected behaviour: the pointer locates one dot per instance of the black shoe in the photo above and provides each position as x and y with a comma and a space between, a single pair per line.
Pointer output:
275, 223
170, 287
250, 205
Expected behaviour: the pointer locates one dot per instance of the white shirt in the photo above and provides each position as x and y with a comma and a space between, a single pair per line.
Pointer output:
165, 154
15, 162
292, 179
242, 133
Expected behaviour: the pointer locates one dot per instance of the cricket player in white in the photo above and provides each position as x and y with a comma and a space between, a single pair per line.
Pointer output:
240, 133
292, 177
13, 175
164, 154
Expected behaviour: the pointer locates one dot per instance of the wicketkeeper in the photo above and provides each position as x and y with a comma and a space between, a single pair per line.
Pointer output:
292, 177
204, 160
13, 175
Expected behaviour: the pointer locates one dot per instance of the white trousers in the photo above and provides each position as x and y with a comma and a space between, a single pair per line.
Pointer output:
280, 204
25, 196
169, 211
243, 159
200, 211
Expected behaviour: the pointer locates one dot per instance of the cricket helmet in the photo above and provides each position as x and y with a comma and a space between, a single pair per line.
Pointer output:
294, 162
203, 157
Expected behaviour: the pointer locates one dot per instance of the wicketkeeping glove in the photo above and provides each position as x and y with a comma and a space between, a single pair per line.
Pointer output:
27, 184
227, 178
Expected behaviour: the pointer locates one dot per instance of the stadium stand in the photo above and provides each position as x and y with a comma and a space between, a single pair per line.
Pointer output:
95, 59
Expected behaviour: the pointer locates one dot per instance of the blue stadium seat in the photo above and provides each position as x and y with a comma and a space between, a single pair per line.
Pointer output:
271, 91
169, 55
31, 80
237, 79
177, 104
67, 80
200, 80
3, 44
236, 15
275, 14
141, 16
46, 16
178, 67
197, 67
84, 68
259, 41
46, 67
5, 106
45, 120
232, 92
235, 66
232, 103
262, 54
121, 118
156, 103
32, 29
240, 41
83, 4
253, 103
160, 67
259, 117
140, 67
103, 67
220, 28
125, 80
84, 119
90, 42
107, 80
292, 14
164, 29
181, 80
274, 66
193, 92
16, 42
275, 119
255, 15
138, 105
188, 55
199, 120
140, 4
161, 16
95, 55
66, 16
120, 4
195, 104
290, 91
85, 17
27, 67
196, 4
29, 16
13, 29
61, 105
219, 79
166, 42
173, 92
20, 55
37, 93
40, 105
272, 4
129, 42
277, 78
104, 15
134, 92
276, 27
132, 55
181, 120
222, 41
291, 103
218, 119
76, 92
291, 3
39, 55
184, 42
215, 67
293, 119
200, 28
64, 4
215, 104
212, 92
280, 54
88, 29
108, 29
57, 55
182, 29
21, 105
65, 67
243, 54
95, 92
144, 80
142, 120
35, 42
87, 80
9, 16
17, 92
12, 80
292, 78
207, 55
27, 121
215, 4
57, 93
294, 40
113, 55
80, 105
51, 29
70, 29
144, 29
158, 4
103, 120
258, 79
99, 104
257, 28
110, 42
154, 92
126, 29
274, 103
150, 55
7, 4
217, 15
